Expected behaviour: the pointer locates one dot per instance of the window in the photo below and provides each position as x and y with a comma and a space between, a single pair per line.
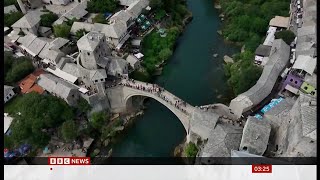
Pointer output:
305, 88
291, 80
245, 148
95, 80
296, 82
88, 53
312, 93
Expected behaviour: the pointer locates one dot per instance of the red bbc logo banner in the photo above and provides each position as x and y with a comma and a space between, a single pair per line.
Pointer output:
69, 161
262, 168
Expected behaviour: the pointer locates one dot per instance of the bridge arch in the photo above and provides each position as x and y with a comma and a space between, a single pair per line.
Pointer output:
184, 118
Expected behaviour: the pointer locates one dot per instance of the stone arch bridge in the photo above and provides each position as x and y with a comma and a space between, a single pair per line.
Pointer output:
197, 122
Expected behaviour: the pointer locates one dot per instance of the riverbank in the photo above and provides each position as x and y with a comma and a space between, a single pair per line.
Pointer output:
159, 45
245, 25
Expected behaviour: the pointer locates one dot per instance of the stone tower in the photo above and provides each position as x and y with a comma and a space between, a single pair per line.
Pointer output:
93, 48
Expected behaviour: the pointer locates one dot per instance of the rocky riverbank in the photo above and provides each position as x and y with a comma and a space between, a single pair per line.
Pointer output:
103, 148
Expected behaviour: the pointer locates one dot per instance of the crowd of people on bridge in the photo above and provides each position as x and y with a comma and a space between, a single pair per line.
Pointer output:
156, 90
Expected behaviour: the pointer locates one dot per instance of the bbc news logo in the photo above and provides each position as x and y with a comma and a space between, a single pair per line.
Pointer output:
69, 160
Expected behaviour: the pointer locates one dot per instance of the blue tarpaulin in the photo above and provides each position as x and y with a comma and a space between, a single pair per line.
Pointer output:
258, 116
269, 106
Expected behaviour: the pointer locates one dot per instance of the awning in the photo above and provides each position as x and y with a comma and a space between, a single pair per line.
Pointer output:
28, 51
306, 63
136, 42
138, 55
19, 54
46, 61
63, 75
292, 89
126, 37
258, 58
83, 90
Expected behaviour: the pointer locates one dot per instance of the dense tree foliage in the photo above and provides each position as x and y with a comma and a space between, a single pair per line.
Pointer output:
47, 19
16, 68
153, 43
247, 23
83, 106
286, 35
11, 18
191, 150
243, 74
249, 19
99, 119
99, 18
62, 30
10, 2
69, 130
109, 131
155, 3
102, 6
32, 117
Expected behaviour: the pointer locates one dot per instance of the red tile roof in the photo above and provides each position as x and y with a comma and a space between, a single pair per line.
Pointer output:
28, 84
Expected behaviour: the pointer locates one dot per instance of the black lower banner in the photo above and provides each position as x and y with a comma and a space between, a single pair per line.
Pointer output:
179, 161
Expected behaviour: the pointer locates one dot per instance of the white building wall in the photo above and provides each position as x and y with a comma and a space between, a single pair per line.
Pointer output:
9, 96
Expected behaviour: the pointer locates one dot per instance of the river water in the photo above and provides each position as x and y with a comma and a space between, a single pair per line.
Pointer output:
192, 74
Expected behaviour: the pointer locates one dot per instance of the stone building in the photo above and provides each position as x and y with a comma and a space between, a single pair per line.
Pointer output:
255, 136
8, 93
29, 23
60, 88
278, 59
93, 49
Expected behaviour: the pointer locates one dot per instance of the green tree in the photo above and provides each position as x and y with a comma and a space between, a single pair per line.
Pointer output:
18, 68
83, 106
7, 61
286, 35
191, 150
243, 74
69, 130
102, 6
48, 19
10, 2
62, 30
99, 18
36, 117
80, 33
8, 142
98, 119
11, 18
164, 54
155, 3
